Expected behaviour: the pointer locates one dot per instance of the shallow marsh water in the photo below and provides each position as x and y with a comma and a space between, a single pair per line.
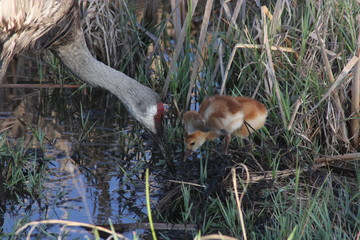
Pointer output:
95, 162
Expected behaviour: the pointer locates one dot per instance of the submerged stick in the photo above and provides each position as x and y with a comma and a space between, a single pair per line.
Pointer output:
158, 226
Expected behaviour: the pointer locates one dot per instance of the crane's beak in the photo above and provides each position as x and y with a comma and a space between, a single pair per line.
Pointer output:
160, 139
165, 152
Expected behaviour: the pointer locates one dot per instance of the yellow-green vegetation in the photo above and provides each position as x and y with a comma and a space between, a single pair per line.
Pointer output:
22, 170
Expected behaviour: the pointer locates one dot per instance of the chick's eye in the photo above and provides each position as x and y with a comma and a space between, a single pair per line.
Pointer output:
192, 143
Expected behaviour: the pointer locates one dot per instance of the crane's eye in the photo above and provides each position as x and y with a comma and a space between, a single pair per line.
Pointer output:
158, 116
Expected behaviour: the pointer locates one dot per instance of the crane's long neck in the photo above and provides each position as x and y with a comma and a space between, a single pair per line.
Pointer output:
136, 97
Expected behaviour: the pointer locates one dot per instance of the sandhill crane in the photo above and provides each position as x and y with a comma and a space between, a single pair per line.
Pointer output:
55, 25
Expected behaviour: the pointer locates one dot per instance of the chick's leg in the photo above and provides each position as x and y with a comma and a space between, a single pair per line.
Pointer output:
227, 138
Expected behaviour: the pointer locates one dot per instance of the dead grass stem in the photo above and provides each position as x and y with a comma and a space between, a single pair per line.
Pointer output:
198, 58
239, 200
355, 97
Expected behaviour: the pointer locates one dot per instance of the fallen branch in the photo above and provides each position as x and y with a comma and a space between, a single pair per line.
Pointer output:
255, 177
344, 157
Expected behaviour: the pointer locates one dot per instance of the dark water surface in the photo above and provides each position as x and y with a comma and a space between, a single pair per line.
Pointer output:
95, 163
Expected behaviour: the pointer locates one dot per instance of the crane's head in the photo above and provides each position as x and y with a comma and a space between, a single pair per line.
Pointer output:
152, 118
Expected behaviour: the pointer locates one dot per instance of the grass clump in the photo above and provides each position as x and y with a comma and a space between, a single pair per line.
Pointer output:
22, 170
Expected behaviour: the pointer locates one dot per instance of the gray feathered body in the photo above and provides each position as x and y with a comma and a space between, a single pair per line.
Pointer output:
55, 25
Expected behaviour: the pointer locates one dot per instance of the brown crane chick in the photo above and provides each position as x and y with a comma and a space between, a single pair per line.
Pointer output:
196, 133
222, 115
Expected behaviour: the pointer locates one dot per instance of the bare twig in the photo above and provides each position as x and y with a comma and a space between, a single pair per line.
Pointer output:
188, 183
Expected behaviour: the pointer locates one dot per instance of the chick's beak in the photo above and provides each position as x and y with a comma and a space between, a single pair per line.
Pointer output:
187, 154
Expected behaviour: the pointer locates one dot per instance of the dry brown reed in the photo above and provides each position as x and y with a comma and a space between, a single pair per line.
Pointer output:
65, 224
201, 42
239, 199
178, 49
355, 97
112, 34
217, 237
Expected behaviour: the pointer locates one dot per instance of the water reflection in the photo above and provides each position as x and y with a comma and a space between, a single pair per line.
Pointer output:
94, 174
